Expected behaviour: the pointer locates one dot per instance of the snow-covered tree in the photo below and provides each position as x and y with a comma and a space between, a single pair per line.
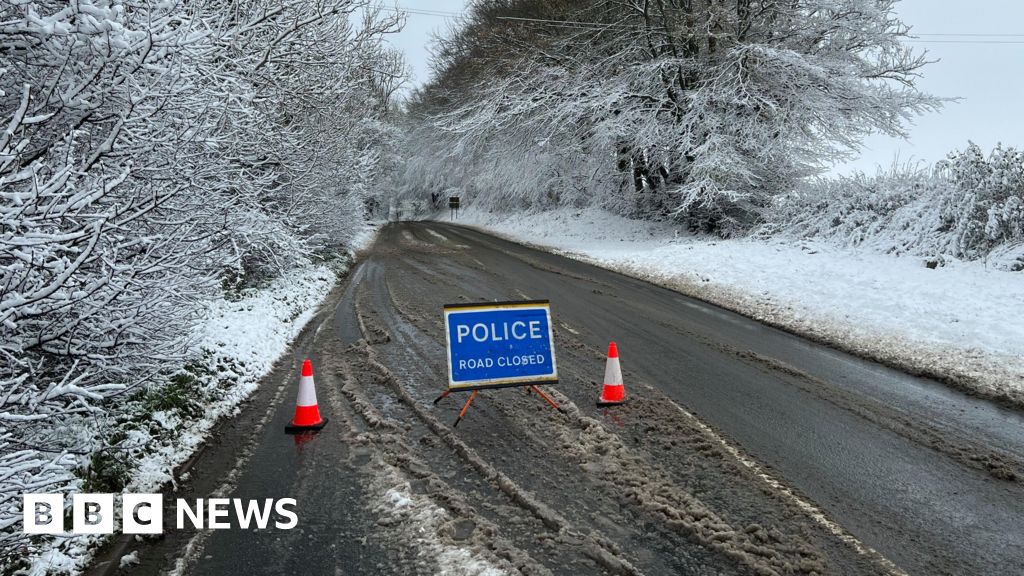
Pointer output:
695, 110
987, 208
150, 148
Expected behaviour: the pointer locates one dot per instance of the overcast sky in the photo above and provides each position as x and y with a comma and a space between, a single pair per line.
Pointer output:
987, 74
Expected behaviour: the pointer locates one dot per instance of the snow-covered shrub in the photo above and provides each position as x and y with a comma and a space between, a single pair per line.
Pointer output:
968, 206
986, 206
97, 265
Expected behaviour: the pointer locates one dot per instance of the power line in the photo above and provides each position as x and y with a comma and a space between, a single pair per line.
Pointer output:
598, 26
424, 11
917, 38
966, 41
984, 35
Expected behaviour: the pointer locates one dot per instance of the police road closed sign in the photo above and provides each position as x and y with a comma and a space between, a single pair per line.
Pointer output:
500, 344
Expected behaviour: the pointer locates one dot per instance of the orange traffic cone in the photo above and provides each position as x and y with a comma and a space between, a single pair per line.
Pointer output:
614, 391
307, 413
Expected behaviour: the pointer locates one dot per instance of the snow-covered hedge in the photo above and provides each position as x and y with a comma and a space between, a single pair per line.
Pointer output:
969, 206
155, 155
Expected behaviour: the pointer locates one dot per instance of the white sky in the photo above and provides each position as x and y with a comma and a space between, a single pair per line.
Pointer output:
989, 77
414, 40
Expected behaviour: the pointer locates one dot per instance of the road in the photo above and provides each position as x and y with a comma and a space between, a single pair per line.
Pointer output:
742, 450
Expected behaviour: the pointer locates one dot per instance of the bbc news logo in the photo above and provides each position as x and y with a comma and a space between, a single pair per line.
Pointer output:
144, 513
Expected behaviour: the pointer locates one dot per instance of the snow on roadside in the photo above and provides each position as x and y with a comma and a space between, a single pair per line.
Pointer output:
960, 322
238, 340
129, 560
241, 340
362, 239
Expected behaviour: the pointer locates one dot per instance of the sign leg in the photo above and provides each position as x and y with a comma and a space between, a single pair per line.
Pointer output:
442, 396
465, 408
548, 398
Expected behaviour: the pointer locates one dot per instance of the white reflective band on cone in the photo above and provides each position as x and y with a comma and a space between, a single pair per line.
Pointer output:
307, 392
612, 372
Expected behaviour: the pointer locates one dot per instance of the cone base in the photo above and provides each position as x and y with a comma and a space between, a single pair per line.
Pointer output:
296, 429
611, 395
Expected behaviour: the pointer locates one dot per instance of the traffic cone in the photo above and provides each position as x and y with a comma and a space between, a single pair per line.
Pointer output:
614, 391
307, 413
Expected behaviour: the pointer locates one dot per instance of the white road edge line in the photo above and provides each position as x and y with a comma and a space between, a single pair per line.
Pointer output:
816, 514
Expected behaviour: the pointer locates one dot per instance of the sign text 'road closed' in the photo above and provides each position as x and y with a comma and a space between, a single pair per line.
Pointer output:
500, 344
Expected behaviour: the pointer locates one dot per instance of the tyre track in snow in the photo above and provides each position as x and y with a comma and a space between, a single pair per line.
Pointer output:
653, 501
736, 453
911, 468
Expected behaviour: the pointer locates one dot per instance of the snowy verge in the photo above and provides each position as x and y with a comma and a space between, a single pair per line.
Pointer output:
955, 323
237, 341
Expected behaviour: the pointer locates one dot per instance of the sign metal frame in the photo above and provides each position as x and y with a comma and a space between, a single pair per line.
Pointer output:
529, 381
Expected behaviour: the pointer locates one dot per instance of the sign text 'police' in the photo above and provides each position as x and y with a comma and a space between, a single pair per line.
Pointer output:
499, 344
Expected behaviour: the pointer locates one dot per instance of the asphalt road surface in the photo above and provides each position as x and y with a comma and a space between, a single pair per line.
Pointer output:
742, 449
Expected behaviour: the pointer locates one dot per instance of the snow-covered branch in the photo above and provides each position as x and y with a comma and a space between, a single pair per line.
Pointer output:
693, 111
154, 153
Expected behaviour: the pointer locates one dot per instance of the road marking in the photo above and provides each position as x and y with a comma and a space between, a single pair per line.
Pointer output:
438, 235
445, 239
810, 509
566, 326
712, 310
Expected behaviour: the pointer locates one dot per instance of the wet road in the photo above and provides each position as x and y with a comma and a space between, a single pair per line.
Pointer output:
743, 449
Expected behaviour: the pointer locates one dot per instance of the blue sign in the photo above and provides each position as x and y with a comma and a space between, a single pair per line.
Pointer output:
502, 344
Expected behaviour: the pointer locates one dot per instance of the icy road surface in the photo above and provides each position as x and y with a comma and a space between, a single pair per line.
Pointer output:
742, 450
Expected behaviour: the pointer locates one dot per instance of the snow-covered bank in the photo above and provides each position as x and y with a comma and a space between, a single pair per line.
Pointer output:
237, 340
960, 323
